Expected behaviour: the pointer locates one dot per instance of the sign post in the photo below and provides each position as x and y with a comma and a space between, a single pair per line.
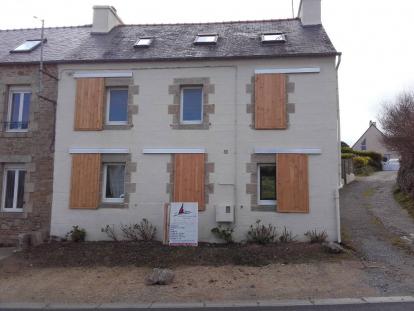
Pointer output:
183, 224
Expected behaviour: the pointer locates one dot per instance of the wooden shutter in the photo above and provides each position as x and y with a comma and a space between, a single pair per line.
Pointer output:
85, 183
292, 183
189, 179
90, 94
270, 101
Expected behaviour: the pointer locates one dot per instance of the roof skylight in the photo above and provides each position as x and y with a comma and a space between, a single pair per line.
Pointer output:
206, 39
27, 46
143, 42
273, 37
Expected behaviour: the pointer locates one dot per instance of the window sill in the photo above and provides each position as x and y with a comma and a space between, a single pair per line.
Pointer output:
117, 126
4, 214
16, 134
264, 208
113, 205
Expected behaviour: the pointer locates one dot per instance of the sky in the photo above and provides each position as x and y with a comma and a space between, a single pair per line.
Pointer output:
375, 37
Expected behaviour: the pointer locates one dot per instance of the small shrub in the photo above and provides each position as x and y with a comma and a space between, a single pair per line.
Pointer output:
224, 233
347, 150
316, 237
262, 234
360, 161
364, 171
287, 236
76, 234
347, 155
142, 231
110, 232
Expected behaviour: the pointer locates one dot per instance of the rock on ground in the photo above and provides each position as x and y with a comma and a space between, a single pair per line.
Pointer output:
160, 277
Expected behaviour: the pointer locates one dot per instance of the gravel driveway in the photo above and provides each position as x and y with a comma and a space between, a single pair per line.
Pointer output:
376, 226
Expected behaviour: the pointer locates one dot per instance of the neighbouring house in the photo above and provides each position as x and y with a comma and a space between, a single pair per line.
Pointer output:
226, 114
27, 109
372, 140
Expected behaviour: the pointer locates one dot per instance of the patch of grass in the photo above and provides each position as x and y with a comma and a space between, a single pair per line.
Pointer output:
401, 244
368, 192
367, 205
364, 171
405, 200
375, 220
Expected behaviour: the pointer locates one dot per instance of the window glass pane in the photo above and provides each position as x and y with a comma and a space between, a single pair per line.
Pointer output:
115, 181
26, 110
14, 112
118, 105
8, 203
268, 182
206, 39
20, 190
192, 101
28, 45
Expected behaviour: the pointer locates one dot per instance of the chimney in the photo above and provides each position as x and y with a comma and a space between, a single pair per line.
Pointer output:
372, 123
104, 19
310, 12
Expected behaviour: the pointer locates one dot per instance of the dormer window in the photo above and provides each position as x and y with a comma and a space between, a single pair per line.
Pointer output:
206, 39
27, 46
273, 38
143, 42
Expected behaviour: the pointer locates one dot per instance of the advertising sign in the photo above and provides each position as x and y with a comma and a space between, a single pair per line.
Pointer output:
183, 226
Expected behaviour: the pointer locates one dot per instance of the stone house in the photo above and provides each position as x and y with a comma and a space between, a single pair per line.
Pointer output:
228, 115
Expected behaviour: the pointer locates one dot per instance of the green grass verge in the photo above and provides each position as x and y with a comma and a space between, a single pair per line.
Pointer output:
405, 200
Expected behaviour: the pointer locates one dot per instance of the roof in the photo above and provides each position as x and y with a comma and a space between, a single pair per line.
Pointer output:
372, 125
239, 39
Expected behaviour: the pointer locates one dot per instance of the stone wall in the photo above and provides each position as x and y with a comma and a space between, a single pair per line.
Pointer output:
33, 150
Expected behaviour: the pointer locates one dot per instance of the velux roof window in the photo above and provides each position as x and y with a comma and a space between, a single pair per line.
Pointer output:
273, 37
206, 39
143, 42
27, 46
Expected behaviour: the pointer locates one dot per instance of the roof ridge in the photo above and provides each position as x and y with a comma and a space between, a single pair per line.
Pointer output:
209, 23
38, 28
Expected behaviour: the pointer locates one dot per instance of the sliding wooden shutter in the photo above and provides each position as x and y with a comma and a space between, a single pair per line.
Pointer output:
270, 101
90, 94
292, 183
189, 179
85, 183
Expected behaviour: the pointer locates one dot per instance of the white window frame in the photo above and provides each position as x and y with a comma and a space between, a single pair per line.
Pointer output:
17, 170
108, 104
105, 171
263, 202
182, 121
22, 91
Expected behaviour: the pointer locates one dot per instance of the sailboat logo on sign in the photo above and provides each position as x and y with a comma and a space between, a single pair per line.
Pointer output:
182, 211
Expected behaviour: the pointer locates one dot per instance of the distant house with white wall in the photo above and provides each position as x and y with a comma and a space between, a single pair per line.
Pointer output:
226, 114
372, 140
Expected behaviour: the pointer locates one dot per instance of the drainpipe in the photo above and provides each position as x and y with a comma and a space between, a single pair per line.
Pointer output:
336, 194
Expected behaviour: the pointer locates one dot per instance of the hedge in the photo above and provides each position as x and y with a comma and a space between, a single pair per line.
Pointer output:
361, 161
347, 155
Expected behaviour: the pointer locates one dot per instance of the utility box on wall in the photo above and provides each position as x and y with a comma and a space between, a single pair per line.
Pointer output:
225, 213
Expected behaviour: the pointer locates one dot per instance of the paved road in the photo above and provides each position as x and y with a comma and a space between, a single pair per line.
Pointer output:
400, 306
373, 223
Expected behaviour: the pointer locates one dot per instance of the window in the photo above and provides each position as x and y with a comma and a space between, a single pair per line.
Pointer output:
143, 42
364, 144
117, 106
206, 39
266, 184
273, 37
27, 46
18, 112
13, 189
113, 183
191, 109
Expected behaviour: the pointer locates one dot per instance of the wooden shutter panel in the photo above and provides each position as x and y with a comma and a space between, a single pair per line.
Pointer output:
189, 179
90, 94
292, 183
85, 183
270, 101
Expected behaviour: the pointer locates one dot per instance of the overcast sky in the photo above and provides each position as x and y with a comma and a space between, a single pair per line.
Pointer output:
375, 37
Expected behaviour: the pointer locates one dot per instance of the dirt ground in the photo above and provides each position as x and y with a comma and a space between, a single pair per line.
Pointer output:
192, 284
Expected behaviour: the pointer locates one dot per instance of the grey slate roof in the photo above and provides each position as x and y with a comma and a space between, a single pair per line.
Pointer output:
171, 42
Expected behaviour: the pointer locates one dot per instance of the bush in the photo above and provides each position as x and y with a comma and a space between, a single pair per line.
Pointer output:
347, 150
287, 236
110, 232
76, 234
360, 161
375, 158
262, 234
143, 231
224, 233
316, 237
347, 155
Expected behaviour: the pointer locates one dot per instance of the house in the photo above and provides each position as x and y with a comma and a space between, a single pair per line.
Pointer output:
226, 114
372, 140
27, 105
